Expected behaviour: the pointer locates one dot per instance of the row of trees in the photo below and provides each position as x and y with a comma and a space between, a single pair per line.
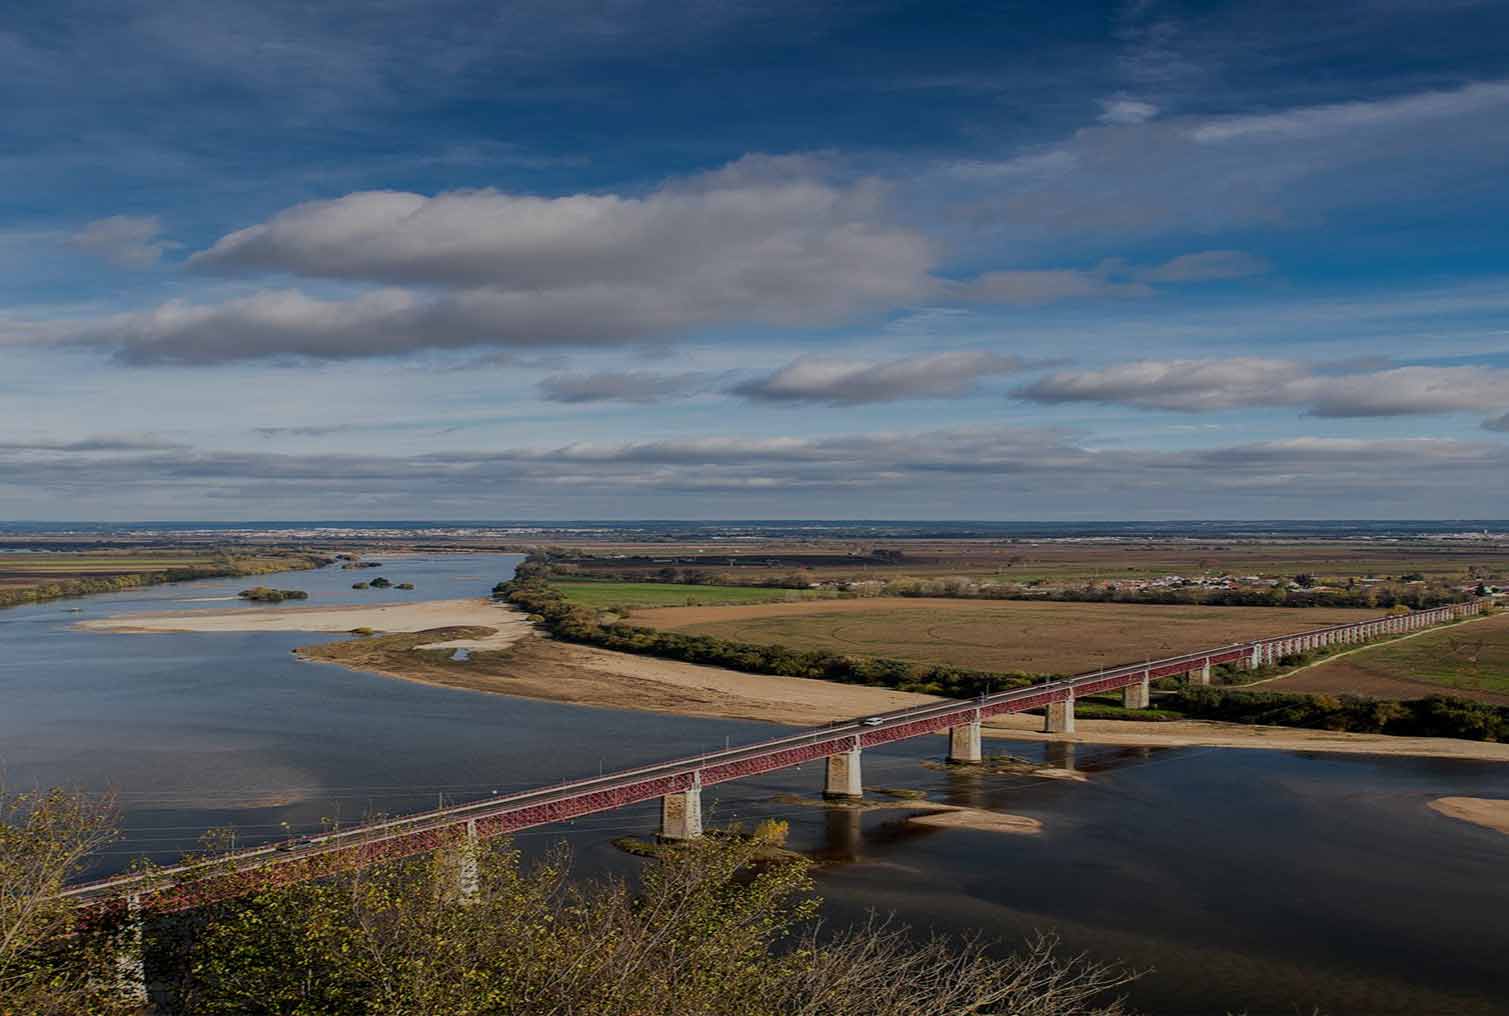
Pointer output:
575, 623
705, 931
1434, 716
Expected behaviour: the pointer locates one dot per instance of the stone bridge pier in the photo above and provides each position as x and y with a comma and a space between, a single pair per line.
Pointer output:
1138, 694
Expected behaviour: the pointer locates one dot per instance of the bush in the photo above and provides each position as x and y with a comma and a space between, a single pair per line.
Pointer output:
264, 594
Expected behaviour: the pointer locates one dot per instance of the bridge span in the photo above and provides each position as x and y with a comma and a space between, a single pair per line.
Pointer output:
678, 783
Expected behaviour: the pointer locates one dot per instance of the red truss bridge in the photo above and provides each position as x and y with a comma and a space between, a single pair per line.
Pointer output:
678, 783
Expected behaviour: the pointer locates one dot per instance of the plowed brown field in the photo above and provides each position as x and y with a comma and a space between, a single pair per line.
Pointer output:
1036, 637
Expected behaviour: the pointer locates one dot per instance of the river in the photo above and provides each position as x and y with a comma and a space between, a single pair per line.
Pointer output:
1270, 882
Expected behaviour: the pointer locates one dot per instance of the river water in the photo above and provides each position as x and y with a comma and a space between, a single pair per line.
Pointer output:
1257, 881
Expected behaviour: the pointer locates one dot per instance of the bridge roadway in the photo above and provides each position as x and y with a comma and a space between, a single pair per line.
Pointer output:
678, 782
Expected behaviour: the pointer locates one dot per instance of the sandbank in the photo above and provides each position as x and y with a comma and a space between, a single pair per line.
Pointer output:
985, 821
1491, 813
508, 623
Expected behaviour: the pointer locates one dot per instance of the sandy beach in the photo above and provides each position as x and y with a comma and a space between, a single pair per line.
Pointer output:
508, 623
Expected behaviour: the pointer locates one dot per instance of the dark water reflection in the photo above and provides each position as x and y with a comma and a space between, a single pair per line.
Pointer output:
1268, 882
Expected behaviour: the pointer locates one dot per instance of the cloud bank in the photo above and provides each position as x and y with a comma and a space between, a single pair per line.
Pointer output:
1195, 386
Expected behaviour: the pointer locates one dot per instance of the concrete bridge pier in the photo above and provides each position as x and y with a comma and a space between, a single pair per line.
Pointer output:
964, 742
681, 814
1138, 695
1199, 675
844, 779
130, 958
467, 884
1058, 718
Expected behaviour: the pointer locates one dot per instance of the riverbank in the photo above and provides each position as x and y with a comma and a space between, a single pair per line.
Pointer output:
540, 668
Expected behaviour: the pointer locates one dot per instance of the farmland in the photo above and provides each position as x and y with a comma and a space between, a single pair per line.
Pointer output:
1025, 636
1470, 660
610, 595
1044, 561
47, 575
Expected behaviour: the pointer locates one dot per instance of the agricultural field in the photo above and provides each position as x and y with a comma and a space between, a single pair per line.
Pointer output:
1034, 637
1470, 660
40, 567
1056, 561
609, 595
44, 575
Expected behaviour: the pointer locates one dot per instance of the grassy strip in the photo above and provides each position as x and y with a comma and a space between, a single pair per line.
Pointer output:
227, 568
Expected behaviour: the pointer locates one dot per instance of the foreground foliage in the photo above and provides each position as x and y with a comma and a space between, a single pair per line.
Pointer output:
45, 968
705, 931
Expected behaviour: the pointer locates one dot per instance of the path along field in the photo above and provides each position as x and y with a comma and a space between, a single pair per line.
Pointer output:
1470, 659
1004, 635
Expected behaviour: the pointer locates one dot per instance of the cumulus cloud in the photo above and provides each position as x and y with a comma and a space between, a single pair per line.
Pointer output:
851, 382
1245, 382
129, 241
765, 241
639, 386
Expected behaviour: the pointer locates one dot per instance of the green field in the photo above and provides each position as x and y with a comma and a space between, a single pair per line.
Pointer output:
1469, 659
608, 595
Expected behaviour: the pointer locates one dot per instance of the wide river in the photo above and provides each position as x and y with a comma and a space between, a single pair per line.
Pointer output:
1257, 881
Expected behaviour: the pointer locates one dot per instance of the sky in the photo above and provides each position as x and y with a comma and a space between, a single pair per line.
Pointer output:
715, 260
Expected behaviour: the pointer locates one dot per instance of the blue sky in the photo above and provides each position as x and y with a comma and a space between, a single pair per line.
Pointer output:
726, 260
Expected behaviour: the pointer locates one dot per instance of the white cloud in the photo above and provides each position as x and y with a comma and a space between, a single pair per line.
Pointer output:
129, 241
1320, 121
1296, 165
1123, 110
851, 382
767, 241
1246, 382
